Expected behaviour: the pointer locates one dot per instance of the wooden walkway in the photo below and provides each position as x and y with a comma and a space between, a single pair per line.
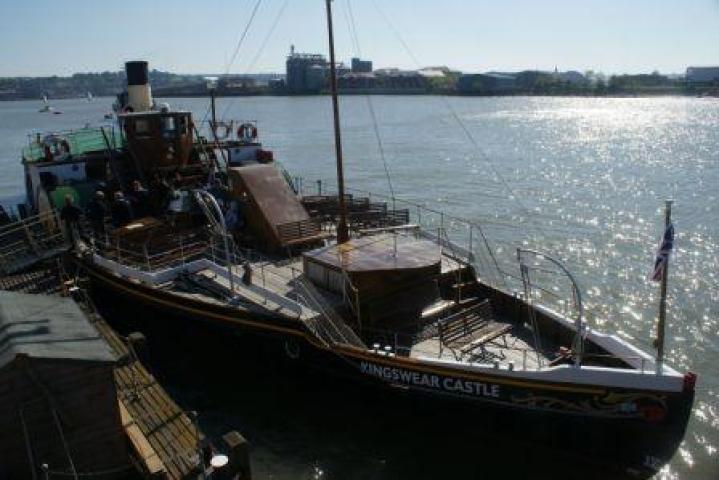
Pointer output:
42, 280
162, 434
164, 439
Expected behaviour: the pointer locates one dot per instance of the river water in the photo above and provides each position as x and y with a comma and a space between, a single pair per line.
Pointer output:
582, 178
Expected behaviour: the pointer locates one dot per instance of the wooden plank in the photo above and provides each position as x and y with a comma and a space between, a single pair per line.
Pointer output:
142, 447
487, 334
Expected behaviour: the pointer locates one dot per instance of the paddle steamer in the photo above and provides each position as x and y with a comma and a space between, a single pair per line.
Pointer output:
231, 242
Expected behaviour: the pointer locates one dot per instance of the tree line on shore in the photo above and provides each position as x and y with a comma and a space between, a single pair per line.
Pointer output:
523, 83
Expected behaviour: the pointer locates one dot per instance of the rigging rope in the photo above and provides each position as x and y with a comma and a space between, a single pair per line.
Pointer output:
240, 42
256, 58
349, 15
243, 36
456, 118
271, 31
483, 155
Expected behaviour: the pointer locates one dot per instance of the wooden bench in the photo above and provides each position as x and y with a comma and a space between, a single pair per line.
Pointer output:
486, 334
470, 329
459, 328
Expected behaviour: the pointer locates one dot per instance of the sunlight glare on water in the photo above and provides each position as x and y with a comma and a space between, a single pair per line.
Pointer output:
584, 179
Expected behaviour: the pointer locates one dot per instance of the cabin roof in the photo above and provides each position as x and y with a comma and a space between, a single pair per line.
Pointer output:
384, 252
49, 327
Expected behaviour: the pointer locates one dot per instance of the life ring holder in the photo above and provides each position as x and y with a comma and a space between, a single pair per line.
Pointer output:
292, 349
247, 132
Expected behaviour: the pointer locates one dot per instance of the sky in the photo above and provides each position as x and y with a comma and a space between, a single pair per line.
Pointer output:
61, 37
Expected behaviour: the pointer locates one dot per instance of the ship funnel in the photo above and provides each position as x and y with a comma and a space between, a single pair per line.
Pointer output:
139, 96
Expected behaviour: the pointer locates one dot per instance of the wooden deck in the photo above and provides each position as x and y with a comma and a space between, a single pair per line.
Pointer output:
274, 287
495, 350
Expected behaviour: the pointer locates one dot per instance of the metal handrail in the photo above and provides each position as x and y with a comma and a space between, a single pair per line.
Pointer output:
345, 333
578, 344
393, 338
487, 265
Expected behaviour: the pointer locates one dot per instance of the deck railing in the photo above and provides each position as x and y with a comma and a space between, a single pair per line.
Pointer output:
495, 354
29, 240
330, 323
464, 240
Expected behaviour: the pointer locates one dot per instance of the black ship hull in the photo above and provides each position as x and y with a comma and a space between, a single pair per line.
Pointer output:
579, 419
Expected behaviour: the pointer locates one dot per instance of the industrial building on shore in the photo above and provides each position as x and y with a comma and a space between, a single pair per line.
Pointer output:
702, 76
309, 73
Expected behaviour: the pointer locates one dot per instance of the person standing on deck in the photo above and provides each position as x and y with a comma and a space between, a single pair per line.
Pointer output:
96, 212
120, 210
70, 215
139, 199
159, 194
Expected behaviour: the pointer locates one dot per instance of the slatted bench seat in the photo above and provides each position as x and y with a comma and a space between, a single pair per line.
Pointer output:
486, 334
469, 329
461, 328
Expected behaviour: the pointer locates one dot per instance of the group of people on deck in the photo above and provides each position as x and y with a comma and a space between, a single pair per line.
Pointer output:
163, 198
122, 210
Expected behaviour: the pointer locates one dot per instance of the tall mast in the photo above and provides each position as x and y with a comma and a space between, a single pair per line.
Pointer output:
663, 295
342, 233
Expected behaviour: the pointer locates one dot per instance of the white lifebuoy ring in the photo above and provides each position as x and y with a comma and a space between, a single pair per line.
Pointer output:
221, 130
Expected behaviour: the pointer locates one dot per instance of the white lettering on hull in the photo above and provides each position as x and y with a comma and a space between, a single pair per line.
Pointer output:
447, 384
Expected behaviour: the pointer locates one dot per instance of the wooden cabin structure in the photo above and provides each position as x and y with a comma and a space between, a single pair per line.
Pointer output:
388, 275
58, 403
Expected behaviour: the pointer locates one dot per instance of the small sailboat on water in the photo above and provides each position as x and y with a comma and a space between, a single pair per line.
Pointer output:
46, 107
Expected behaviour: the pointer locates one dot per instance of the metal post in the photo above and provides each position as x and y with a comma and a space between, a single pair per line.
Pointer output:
212, 104
471, 252
147, 257
227, 259
182, 249
663, 295
200, 462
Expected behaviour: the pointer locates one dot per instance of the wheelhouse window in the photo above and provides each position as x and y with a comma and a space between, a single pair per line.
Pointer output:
142, 127
169, 128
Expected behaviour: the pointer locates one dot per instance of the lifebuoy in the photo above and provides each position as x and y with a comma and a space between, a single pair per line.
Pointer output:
247, 132
222, 130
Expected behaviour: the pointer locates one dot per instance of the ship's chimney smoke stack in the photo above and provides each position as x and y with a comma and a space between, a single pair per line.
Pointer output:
139, 96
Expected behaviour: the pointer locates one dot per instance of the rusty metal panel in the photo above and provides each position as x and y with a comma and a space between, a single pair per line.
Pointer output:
269, 203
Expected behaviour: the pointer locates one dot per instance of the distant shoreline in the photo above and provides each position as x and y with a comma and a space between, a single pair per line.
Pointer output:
713, 94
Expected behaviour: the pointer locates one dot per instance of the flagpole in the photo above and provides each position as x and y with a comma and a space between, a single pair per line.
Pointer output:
663, 295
